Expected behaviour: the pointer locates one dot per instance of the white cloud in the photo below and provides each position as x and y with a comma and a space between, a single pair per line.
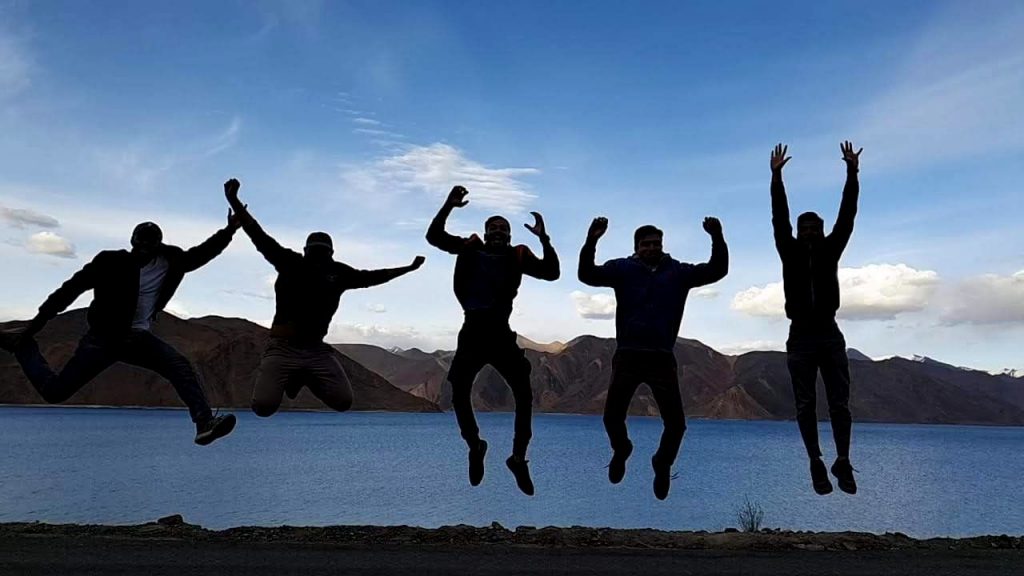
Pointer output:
433, 170
376, 132
223, 140
706, 292
987, 299
873, 292
366, 121
387, 336
143, 164
50, 244
594, 306
22, 217
751, 346
376, 308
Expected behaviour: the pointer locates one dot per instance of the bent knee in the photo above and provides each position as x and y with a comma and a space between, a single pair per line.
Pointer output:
264, 410
343, 404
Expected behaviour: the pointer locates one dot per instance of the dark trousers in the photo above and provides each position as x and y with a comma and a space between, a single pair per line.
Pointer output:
630, 368
494, 343
808, 351
286, 366
97, 353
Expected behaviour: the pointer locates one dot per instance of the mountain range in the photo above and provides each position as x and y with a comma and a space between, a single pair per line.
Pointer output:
569, 377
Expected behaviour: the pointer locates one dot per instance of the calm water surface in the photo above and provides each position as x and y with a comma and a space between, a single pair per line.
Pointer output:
131, 466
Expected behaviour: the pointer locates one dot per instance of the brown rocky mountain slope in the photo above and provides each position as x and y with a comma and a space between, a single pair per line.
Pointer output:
226, 351
755, 385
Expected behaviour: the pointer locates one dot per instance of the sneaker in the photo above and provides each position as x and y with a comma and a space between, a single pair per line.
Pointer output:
819, 477
663, 477
617, 467
843, 471
214, 428
476, 463
521, 470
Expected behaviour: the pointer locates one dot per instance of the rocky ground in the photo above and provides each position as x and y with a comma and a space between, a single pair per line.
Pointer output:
172, 546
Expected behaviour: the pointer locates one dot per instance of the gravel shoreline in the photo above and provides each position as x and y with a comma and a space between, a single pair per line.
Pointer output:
174, 527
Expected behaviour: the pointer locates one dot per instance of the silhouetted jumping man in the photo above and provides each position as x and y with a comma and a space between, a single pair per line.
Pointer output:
810, 267
650, 293
129, 289
487, 277
308, 289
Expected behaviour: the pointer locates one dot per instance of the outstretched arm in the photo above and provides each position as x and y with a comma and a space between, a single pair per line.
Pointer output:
588, 272
273, 252
436, 234
718, 266
198, 256
367, 278
843, 229
780, 206
61, 298
546, 268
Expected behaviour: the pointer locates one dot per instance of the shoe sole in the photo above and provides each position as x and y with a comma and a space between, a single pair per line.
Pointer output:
219, 431
529, 489
823, 490
843, 485
847, 488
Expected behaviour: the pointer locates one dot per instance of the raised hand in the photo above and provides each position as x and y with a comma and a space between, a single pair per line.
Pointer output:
713, 226
231, 190
234, 220
779, 157
851, 158
597, 228
457, 197
417, 262
538, 225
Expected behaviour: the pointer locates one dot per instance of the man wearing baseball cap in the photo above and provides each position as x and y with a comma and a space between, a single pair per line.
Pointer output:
129, 289
308, 290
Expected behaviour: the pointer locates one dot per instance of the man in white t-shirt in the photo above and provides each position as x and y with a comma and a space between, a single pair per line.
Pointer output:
129, 289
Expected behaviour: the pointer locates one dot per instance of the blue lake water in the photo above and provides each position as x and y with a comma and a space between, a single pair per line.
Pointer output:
115, 466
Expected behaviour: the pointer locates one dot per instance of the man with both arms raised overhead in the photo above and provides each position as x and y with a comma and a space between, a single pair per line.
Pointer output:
650, 293
488, 273
810, 268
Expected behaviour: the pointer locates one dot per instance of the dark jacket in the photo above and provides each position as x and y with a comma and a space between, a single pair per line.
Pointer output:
810, 272
308, 293
113, 276
487, 278
650, 302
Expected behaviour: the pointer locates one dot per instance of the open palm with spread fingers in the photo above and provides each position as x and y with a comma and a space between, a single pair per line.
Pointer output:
779, 157
851, 158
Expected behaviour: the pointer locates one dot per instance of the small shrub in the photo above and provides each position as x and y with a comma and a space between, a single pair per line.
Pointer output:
750, 516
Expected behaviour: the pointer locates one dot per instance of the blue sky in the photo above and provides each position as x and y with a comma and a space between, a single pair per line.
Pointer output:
357, 117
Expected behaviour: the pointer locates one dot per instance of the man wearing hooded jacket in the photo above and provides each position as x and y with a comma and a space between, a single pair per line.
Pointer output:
650, 294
